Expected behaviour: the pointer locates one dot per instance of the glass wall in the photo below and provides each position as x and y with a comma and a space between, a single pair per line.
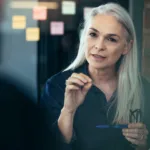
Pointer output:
146, 40
58, 43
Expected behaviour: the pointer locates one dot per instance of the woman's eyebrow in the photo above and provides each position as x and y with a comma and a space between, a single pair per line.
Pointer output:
112, 34
109, 34
94, 29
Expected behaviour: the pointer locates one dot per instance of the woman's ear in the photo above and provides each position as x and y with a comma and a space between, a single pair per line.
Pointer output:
128, 47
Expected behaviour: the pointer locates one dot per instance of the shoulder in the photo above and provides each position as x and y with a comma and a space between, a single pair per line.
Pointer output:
59, 78
56, 83
53, 91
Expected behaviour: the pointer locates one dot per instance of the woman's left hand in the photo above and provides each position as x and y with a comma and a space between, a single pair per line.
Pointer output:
136, 133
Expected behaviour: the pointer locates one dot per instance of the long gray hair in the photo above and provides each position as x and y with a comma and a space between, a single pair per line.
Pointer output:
129, 90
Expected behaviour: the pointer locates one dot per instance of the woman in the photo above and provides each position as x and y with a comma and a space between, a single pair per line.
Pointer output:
101, 87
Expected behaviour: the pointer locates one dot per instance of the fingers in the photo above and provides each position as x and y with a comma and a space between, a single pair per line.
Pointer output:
136, 133
138, 128
82, 77
78, 80
88, 84
136, 125
136, 142
75, 81
86, 88
72, 87
86, 77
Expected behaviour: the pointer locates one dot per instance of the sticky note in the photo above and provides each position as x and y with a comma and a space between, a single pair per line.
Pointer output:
86, 10
19, 22
57, 28
49, 5
21, 4
68, 8
32, 34
39, 13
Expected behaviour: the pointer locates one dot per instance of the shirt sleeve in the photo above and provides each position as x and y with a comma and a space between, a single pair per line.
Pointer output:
51, 103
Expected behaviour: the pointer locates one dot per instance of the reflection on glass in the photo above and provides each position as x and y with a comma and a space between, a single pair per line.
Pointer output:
146, 43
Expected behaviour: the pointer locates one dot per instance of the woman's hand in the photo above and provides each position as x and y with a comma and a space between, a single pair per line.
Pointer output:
137, 134
77, 87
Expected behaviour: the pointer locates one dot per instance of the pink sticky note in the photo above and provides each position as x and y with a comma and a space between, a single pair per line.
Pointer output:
57, 28
39, 13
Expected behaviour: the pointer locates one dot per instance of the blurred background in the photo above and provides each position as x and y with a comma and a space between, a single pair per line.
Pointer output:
40, 38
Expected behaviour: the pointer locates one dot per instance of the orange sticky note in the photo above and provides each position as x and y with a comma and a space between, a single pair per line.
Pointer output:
57, 28
19, 22
39, 13
32, 34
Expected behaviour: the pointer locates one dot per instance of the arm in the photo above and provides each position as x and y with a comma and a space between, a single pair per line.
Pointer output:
63, 102
74, 97
65, 124
51, 103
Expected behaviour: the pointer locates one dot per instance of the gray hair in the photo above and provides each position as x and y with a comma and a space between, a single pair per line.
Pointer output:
129, 90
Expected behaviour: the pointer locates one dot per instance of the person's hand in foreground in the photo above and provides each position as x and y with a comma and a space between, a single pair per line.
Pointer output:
137, 133
77, 87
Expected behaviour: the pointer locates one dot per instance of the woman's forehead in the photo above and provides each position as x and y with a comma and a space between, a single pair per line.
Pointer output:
107, 24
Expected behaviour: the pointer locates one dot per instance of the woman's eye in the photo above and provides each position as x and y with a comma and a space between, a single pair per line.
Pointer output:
92, 34
112, 40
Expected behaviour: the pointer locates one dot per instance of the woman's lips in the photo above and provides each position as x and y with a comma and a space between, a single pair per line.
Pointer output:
98, 57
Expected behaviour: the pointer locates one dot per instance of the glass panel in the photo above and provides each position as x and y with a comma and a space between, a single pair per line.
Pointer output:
146, 41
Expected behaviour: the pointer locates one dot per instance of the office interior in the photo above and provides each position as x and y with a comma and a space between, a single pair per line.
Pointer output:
40, 38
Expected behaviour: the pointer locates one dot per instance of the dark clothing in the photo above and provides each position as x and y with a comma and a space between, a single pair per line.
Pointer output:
17, 118
91, 113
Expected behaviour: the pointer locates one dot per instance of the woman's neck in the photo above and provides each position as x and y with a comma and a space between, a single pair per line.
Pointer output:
102, 75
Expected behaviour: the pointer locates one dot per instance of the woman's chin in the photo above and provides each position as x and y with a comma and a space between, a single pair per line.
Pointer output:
97, 66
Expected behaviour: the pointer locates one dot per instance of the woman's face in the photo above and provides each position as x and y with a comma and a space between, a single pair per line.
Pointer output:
106, 42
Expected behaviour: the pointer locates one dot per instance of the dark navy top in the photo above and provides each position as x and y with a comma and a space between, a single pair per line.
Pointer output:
91, 113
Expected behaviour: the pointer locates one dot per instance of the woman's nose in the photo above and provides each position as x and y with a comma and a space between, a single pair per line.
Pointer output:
100, 45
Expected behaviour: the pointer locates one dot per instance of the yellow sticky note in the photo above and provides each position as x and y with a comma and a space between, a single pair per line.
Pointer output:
19, 22
32, 34
27, 4
68, 7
